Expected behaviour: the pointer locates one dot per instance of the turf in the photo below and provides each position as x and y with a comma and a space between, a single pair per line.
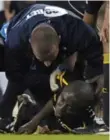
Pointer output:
53, 137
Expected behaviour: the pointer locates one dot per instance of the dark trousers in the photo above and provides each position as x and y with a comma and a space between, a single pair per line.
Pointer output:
106, 95
9, 99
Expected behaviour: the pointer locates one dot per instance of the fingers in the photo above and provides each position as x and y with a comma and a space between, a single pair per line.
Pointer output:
54, 87
21, 130
92, 80
99, 80
57, 76
100, 84
43, 130
24, 130
60, 77
98, 89
104, 35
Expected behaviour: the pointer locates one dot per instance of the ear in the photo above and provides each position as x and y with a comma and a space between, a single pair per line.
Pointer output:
30, 40
65, 95
20, 98
59, 38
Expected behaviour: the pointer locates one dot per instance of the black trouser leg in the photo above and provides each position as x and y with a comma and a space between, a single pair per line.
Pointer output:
9, 99
106, 95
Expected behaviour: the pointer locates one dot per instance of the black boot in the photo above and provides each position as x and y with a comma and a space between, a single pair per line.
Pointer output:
92, 129
6, 125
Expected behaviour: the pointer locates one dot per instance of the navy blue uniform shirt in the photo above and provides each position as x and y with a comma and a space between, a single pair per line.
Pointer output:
75, 36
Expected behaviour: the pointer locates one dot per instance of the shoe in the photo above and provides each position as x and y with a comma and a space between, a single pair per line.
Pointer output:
103, 130
5, 125
94, 129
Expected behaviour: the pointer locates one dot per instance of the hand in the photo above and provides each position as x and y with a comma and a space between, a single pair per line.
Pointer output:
42, 130
57, 75
28, 128
99, 80
104, 35
53, 80
9, 15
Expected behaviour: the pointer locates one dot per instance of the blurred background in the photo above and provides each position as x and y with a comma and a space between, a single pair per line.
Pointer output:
9, 9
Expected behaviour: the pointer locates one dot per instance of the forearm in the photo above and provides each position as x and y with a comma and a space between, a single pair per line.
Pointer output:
92, 50
106, 11
90, 19
69, 63
47, 110
8, 14
92, 9
94, 61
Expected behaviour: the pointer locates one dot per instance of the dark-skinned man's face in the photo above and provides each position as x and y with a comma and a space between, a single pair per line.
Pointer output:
70, 103
66, 104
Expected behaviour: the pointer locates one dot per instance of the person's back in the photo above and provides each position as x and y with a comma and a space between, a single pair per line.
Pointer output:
77, 7
23, 24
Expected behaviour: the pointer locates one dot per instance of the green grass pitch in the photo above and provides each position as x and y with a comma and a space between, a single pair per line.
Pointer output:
54, 137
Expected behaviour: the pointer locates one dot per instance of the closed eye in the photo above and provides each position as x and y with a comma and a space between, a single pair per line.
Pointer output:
69, 107
61, 101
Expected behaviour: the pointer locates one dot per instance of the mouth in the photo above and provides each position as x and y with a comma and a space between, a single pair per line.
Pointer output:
64, 112
58, 113
70, 112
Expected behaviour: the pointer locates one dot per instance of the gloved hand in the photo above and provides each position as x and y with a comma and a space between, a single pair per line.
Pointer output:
57, 75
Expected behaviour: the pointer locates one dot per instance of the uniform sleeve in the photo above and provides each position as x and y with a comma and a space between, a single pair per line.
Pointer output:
17, 65
16, 62
93, 7
84, 39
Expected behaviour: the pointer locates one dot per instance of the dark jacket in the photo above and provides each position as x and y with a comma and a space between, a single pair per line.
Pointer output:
75, 36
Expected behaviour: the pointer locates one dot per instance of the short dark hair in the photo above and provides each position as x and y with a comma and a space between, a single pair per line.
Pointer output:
82, 91
44, 36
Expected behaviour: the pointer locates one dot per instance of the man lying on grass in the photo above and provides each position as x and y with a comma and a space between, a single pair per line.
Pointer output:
72, 109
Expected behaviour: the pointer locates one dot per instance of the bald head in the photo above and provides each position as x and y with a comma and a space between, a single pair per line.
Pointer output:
44, 42
80, 90
75, 96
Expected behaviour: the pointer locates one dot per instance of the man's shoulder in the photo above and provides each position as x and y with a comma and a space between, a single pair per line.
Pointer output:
27, 19
36, 13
